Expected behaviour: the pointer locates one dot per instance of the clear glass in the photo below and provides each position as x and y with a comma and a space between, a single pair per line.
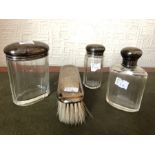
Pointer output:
29, 80
126, 87
92, 77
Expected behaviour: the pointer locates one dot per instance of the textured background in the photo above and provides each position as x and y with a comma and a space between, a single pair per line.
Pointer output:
67, 38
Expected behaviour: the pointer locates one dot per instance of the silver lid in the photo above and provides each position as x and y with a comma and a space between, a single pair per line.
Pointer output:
26, 50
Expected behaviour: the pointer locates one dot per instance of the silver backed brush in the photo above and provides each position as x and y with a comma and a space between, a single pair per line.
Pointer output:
71, 108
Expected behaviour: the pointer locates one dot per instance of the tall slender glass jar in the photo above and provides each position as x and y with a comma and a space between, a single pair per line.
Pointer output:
93, 66
126, 82
28, 71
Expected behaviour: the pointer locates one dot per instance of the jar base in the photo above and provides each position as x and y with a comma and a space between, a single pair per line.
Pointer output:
92, 87
31, 101
121, 107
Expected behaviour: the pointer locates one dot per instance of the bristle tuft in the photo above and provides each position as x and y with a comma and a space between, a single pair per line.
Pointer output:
71, 113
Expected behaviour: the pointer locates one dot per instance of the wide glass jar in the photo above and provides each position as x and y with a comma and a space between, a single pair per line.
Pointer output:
28, 71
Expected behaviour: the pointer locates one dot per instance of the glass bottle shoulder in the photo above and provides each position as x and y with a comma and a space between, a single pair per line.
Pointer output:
136, 71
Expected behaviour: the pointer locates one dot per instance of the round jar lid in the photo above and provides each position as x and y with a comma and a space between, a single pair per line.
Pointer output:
26, 50
130, 56
131, 53
95, 49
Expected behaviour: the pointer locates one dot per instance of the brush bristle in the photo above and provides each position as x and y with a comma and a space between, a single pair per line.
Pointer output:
71, 113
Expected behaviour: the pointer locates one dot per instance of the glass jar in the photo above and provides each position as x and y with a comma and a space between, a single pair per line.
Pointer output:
126, 82
93, 66
28, 71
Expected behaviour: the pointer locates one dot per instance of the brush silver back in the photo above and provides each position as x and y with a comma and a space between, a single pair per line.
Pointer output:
70, 88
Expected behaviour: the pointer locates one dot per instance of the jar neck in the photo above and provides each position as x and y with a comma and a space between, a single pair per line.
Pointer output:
129, 63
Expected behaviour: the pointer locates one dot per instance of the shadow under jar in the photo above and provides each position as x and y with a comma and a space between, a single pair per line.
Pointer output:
28, 71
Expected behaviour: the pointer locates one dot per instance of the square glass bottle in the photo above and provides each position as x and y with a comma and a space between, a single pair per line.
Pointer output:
126, 82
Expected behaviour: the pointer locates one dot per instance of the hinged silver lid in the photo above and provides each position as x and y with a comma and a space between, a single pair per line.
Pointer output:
26, 50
